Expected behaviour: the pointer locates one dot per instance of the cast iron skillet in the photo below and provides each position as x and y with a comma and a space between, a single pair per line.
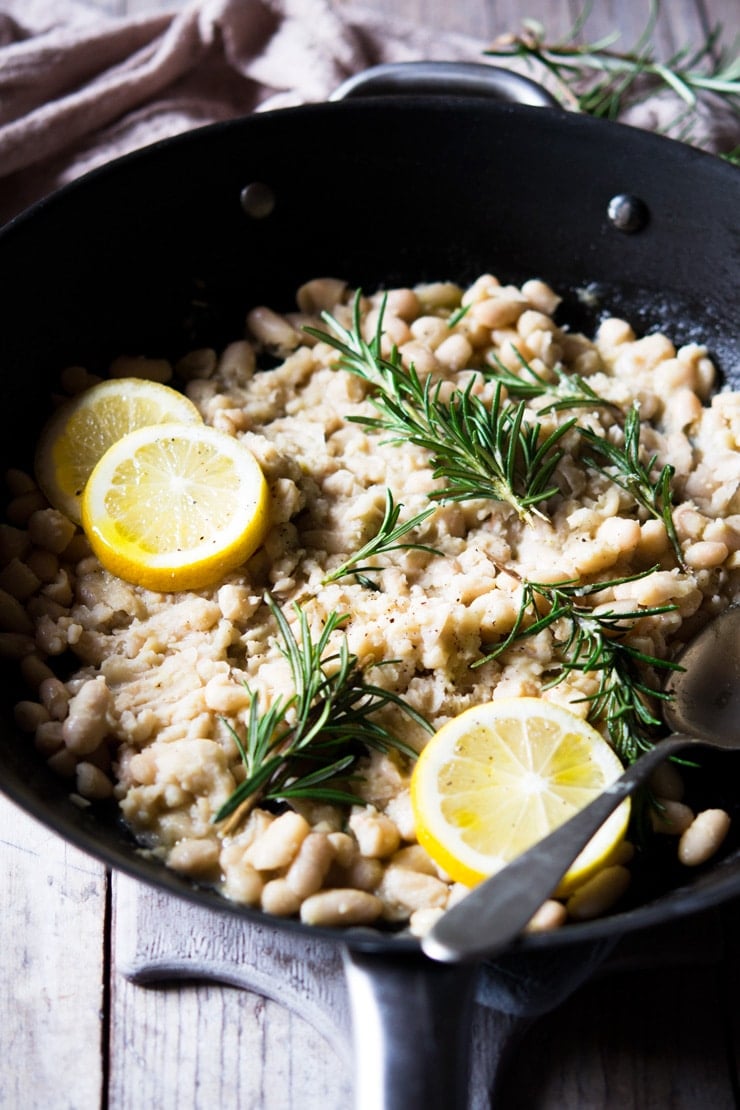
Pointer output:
167, 248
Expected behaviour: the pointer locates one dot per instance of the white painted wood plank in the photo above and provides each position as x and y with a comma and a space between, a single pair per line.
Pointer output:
185, 1043
51, 969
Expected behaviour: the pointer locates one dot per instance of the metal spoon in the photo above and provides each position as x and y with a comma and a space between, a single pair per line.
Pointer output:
705, 709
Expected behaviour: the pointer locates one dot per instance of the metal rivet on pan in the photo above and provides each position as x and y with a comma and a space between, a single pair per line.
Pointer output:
628, 213
257, 200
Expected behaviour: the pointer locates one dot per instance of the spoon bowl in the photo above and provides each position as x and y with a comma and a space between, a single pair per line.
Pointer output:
703, 709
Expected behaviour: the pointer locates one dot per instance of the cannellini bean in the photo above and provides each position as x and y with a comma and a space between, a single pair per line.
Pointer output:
344, 848
404, 891
551, 915
190, 856
320, 294
705, 553
86, 725
415, 858
362, 873
279, 898
48, 737
430, 330
200, 363
341, 907
620, 533
50, 529
222, 695
18, 482
18, 579
13, 617
242, 883
400, 811
703, 837
669, 817
28, 715
404, 303
455, 352
34, 670
54, 697
667, 782
421, 921
93, 783
541, 296
21, 508
278, 845
599, 894
308, 870
63, 763
14, 543
272, 329
376, 834
420, 356
501, 310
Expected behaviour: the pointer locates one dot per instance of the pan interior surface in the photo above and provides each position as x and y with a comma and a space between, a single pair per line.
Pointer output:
166, 249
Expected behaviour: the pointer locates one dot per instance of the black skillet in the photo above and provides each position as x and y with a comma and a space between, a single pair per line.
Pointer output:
167, 248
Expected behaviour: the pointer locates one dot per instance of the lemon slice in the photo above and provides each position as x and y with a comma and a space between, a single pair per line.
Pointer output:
175, 506
83, 428
500, 776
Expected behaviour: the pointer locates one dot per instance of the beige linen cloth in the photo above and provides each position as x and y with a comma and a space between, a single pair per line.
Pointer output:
78, 87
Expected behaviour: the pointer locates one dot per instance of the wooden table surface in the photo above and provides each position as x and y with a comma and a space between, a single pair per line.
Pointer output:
98, 1008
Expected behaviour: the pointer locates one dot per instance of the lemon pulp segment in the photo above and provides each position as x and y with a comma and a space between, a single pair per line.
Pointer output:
501, 776
83, 428
175, 507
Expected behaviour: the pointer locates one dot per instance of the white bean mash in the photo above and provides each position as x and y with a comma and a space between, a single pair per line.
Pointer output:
161, 681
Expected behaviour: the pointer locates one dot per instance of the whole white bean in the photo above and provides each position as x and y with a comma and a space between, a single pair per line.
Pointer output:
50, 529
279, 899
599, 894
666, 781
278, 845
551, 915
703, 837
48, 737
376, 834
54, 697
308, 870
191, 855
341, 907
670, 818
94, 784
29, 715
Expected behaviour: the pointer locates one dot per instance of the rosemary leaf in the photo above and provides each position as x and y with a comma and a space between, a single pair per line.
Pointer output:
596, 79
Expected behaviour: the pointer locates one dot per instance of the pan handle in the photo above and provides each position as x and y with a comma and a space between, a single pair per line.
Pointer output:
446, 79
411, 1027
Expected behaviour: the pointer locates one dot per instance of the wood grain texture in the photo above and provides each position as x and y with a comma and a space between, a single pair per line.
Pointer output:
102, 1003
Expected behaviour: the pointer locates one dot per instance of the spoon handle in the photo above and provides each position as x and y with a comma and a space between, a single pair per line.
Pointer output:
488, 919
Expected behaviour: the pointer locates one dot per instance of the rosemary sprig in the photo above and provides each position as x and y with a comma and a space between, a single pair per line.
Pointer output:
593, 78
596, 643
307, 745
385, 540
568, 390
481, 451
627, 470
